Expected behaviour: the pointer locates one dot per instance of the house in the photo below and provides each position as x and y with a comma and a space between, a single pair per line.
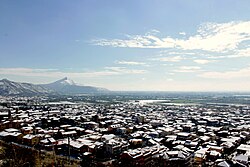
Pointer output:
215, 148
242, 159
141, 156
200, 156
72, 133
243, 149
114, 147
183, 136
27, 130
136, 142
179, 158
113, 128
48, 143
223, 164
90, 125
4, 135
15, 137
30, 139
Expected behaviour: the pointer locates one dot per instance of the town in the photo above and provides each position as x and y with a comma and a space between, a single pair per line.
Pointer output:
134, 83
129, 133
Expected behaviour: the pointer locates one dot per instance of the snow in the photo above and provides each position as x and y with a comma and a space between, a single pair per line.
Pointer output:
66, 81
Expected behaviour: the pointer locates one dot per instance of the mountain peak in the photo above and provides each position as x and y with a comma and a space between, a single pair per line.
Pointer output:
66, 81
65, 78
62, 86
67, 86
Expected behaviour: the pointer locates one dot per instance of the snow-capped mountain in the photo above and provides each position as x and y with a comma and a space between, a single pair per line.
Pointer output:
67, 86
62, 86
8, 87
65, 81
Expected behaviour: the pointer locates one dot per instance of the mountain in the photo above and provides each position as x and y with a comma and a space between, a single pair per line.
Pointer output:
63, 86
67, 86
8, 87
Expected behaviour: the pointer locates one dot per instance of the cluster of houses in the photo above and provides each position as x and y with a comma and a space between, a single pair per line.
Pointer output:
131, 133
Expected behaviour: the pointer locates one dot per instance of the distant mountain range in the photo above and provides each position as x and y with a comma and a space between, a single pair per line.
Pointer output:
63, 86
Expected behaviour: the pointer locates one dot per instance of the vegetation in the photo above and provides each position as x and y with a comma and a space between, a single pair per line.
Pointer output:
18, 156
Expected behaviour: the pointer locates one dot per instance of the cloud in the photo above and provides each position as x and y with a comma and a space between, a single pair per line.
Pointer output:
107, 71
237, 53
244, 52
130, 63
244, 72
182, 33
170, 73
123, 70
153, 31
241, 53
188, 69
170, 59
176, 53
203, 61
215, 37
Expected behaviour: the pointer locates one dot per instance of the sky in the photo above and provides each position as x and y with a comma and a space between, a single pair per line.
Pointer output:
143, 45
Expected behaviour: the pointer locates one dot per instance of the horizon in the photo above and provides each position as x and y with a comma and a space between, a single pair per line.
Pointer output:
163, 46
138, 91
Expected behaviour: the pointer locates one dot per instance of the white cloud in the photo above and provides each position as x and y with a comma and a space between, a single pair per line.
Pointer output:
237, 53
53, 73
170, 73
179, 53
170, 59
188, 69
242, 73
244, 52
153, 31
182, 33
130, 63
203, 61
218, 37
240, 53
123, 70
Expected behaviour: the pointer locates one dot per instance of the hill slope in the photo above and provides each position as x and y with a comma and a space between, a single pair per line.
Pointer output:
8, 87
64, 86
67, 86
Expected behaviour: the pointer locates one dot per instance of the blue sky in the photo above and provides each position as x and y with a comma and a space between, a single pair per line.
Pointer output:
128, 45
